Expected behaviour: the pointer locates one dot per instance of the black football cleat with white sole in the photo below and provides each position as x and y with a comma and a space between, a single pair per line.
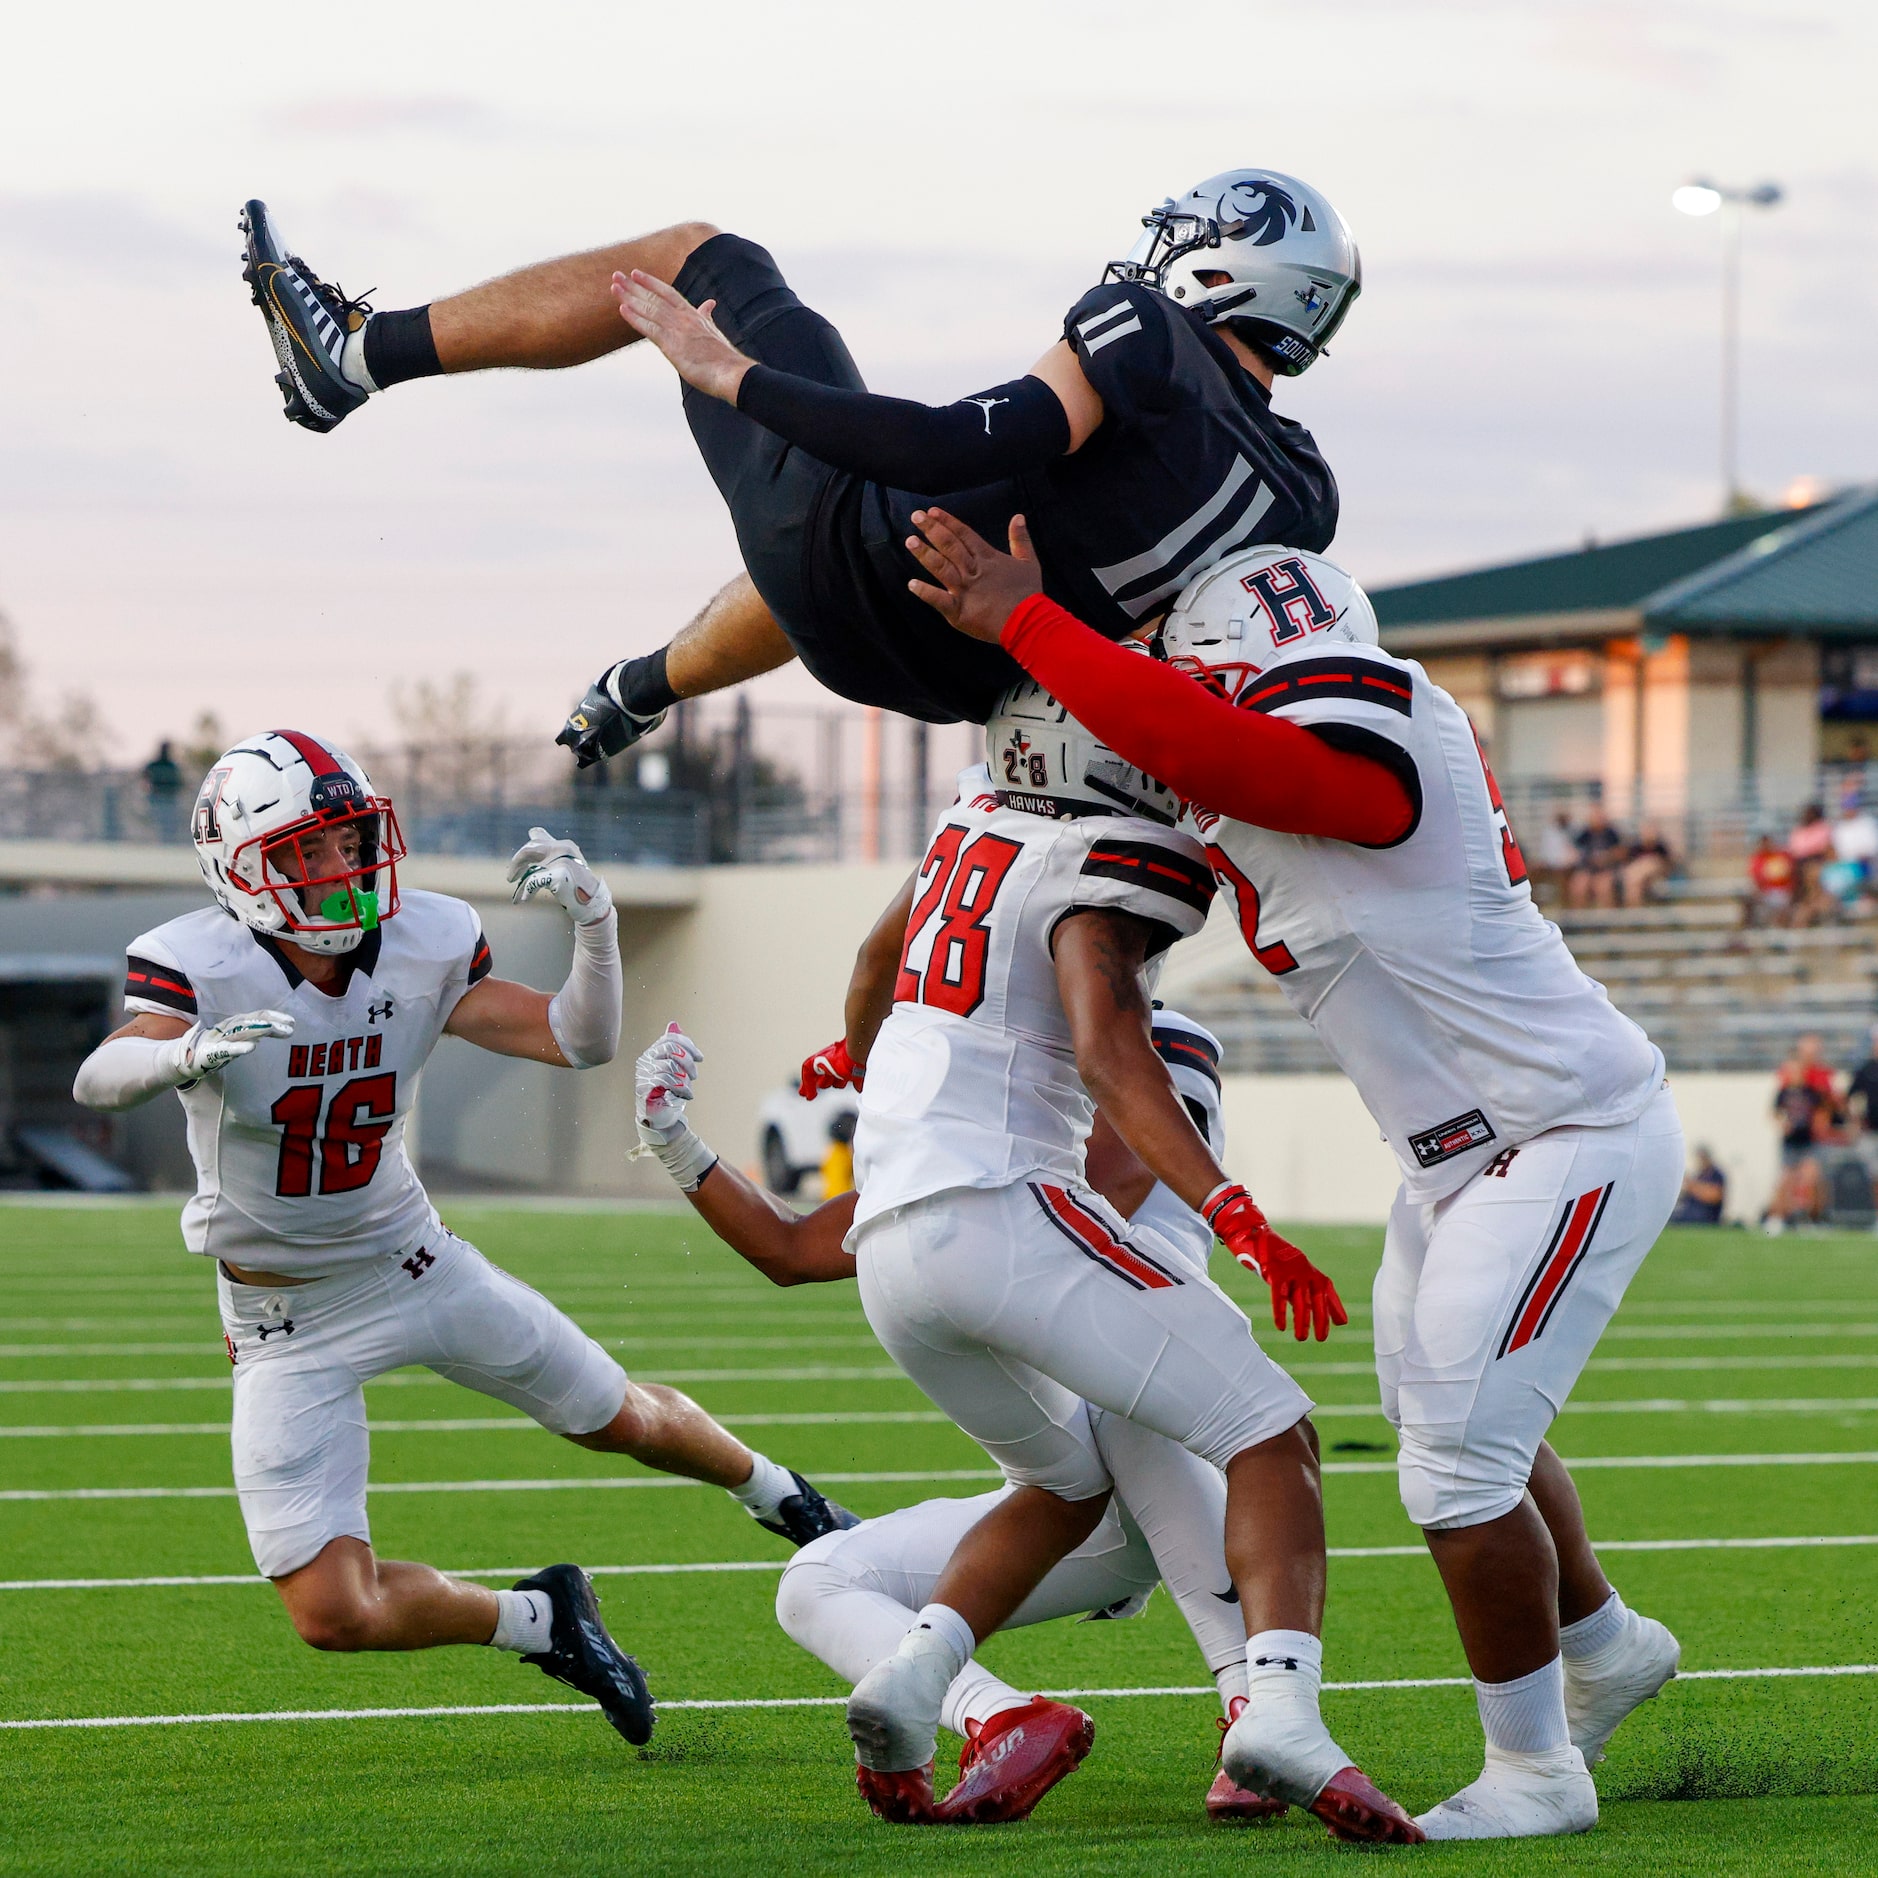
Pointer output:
308, 322
807, 1515
582, 1655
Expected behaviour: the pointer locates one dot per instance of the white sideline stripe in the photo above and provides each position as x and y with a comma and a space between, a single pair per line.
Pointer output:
776, 1565
824, 1701
840, 1339
791, 1419
814, 1372
843, 1418
601, 1482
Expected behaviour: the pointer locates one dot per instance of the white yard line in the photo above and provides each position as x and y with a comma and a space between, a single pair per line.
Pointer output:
814, 1372
823, 1701
775, 1564
604, 1482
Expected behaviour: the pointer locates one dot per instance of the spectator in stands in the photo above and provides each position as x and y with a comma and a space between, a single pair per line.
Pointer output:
1861, 1096
163, 784
1810, 845
1602, 851
1554, 855
1806, 1110
1704, 1193
1651, 862
1848, 875
1770, 872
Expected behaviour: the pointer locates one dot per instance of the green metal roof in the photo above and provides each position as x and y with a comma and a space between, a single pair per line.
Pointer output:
1818, 573
1624, 574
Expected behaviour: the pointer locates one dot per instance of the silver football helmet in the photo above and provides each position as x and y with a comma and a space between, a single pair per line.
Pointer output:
1043, 760
1251, 610
1291, 264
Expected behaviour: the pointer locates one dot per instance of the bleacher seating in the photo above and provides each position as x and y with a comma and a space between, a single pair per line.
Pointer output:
1716, 994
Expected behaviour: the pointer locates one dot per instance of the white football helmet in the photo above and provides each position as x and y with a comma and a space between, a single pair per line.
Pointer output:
1043, 760
294, 842
1291, 264
1253, 609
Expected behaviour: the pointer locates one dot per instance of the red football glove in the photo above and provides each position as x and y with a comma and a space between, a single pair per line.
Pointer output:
1296, 1283
832, 1068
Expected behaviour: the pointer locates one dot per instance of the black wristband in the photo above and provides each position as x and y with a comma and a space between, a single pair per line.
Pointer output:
1001, 432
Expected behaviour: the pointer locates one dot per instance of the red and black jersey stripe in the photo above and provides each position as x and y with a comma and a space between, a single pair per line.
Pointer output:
1085, 1230
1310, 679
1179, 1049
1162, 870
159, 984
481, 963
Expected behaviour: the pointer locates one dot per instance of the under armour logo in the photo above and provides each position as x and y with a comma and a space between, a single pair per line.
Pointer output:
285, 1327
377, 1009
419, 1263
986, 405
1274, 1662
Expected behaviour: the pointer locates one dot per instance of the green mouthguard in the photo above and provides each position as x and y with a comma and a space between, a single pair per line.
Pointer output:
336, 906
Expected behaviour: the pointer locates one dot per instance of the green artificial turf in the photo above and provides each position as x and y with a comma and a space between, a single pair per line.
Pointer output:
1727, 1346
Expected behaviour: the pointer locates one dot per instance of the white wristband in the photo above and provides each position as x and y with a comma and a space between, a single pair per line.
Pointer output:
584, 1014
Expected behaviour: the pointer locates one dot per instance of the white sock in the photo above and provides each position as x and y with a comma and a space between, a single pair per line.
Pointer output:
766, 1489
939, 1626
1594, 1633
1284, 1659
352, 360
524, 1622
1527, 1715
975, 1696
1232, 1686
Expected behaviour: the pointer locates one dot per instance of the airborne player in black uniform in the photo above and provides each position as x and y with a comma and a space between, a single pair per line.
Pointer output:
1142, 446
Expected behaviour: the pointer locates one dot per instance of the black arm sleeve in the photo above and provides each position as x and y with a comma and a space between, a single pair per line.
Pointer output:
998, 433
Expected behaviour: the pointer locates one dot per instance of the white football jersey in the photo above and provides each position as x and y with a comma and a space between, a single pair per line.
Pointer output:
972, 1081
1432, 979
1191, 1053
299, 1146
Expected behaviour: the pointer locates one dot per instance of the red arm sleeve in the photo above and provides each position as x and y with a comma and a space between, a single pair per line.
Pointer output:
1255, 769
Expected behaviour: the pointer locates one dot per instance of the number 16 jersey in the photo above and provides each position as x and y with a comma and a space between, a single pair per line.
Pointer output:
299, 1145
972, 1081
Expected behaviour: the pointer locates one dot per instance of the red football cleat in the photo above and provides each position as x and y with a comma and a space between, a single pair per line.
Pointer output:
902, 1799
1011, 1761
1231, 1803
1354, 1808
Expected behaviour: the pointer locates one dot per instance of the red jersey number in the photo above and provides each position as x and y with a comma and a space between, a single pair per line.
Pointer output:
1509, 845
1276, 958
358, 1118
961, 881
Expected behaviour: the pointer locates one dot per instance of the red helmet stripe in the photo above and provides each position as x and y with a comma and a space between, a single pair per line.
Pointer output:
316, 756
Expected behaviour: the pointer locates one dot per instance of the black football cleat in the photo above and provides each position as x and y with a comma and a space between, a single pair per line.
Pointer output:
308, 322
582, 1655
807, 1515
600, 726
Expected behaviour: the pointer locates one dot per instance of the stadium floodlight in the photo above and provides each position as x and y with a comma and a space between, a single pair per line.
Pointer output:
1701, 197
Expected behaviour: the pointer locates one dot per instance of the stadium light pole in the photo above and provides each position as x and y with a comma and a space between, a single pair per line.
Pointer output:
1702, 197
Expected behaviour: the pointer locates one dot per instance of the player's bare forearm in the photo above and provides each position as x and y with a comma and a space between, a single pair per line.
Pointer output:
787, 1247
876, 965
1099, 956
507, 1019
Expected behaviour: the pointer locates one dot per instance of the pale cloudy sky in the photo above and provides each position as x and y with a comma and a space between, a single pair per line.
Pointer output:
1534, 356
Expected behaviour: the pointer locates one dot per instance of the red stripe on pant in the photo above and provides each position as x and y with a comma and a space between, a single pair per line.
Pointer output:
1092, 1233
1577, 1229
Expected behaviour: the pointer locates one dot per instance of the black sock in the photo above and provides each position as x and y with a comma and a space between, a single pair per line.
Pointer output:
399, 346
643, 687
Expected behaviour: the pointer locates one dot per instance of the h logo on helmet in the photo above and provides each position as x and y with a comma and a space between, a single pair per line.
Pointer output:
208, 818
1291, 601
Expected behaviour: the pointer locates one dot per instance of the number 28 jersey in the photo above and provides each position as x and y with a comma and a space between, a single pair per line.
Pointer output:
299, 1146
972, 1081
1439, 988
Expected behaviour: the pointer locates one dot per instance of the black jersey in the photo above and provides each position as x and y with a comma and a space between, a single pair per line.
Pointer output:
1189, 464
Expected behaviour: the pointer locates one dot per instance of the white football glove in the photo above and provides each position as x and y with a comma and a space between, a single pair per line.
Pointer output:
203, 1049
544, 865
665, 1078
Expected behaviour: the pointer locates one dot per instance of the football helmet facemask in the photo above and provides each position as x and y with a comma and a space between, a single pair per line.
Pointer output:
295, 843
1291, 264
1044, 761
1253, 609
